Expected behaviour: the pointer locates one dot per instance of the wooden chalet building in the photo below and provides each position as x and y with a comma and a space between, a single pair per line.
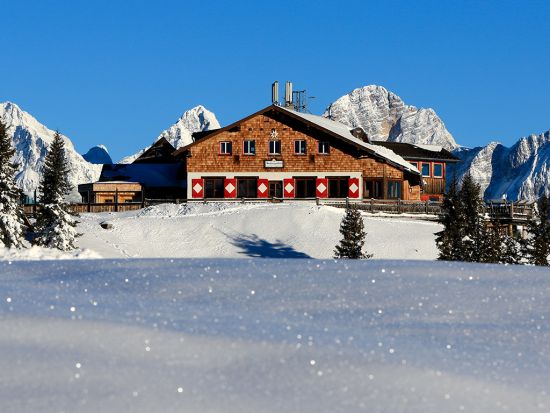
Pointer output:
278, 152
430, 160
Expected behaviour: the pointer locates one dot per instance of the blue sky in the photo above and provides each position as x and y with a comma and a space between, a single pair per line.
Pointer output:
119, 72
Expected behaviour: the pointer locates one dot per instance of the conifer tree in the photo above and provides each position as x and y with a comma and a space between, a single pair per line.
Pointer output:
450, 240
11, 211
353, 232
55, 225
537, 246
475, 231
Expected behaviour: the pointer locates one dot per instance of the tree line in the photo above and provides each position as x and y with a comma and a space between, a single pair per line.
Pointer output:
55, 226
470, 235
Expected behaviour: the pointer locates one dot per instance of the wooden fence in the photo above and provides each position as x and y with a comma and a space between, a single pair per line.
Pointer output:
506, 212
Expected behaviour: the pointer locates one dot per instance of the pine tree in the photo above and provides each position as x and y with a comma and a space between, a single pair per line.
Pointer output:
55, 225
474, 230
11, 211
537, 246
353, 232
450, 240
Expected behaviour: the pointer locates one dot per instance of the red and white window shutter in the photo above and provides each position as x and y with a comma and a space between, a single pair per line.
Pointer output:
230, 188
321, 188
353, 188
197, 188
288, 188
263, 188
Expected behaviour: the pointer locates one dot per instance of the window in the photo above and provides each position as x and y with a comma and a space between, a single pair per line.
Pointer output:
274, 147
213, 187
373, 189
249, 147
415, 164
438, 170
394, 189
247, 188
305, 187
226, 148
275, 189
425, 169
338, 187
324, 148
300, 147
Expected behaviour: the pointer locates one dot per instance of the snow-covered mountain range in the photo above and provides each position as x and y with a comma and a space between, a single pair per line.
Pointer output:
31, 140
179, 134
385, 117
519, 172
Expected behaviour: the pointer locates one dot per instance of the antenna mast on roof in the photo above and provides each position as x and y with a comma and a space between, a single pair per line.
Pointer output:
296, 100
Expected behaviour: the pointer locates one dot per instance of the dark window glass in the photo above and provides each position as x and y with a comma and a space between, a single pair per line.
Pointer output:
275, 189
338, 187
226, 148
300, 147
274, 147
394, 189
425, 169
324, 148
247, 188
373, 189
249, 147
305, 188
213, 187
438, 170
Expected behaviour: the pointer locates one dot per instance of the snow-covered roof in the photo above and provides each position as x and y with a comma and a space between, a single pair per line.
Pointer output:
344, 132
432, 148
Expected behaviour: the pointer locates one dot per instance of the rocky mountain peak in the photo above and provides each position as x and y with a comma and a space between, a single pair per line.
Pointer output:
384, 116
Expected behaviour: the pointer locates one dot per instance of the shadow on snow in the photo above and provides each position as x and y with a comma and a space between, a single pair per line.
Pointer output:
253, 246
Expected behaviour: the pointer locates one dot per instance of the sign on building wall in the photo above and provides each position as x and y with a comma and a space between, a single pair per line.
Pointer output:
274, 163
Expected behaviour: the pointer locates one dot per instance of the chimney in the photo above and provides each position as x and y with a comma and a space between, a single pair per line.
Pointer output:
275, 93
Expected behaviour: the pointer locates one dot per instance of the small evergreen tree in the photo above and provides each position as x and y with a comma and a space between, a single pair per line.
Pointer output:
450, 240
11, 211
55, 225
353, 232
474, 230
537, 245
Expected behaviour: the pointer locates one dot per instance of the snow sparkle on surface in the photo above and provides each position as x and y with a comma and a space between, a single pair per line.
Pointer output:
252, 335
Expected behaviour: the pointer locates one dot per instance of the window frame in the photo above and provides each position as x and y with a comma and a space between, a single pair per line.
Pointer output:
399, 185
319, 144
275, 141
249, 141
442, 172
222, 153
429, 169
297, 141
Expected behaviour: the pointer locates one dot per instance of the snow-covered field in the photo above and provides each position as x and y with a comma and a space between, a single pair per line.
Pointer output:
262, 335
234, 230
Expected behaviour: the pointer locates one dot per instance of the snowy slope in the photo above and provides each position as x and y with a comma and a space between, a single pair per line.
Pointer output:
235, 230
179, 134
519, 172
98, 155
271, 336
384, 116
31, 140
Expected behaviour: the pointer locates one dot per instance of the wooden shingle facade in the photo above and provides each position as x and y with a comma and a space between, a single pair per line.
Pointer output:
280, 153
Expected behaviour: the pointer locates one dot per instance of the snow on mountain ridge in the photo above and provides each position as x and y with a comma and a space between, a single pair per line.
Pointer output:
384, 116
521, 171
31, 141
180, 133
